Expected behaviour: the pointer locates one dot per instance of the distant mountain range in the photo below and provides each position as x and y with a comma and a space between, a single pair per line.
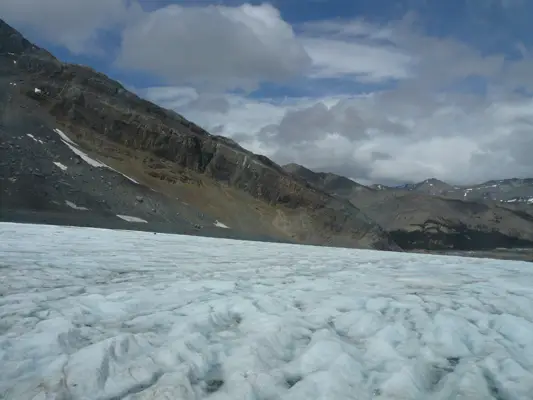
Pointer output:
512, 190
435, 215
77, 148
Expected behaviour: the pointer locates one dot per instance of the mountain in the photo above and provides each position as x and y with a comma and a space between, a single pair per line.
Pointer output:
331, 183
431, 186
416, 218
513, 190
78, 148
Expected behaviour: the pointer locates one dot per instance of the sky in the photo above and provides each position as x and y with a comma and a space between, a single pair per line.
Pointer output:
380, 91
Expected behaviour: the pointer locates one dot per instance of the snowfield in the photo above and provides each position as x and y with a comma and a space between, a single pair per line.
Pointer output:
99, 314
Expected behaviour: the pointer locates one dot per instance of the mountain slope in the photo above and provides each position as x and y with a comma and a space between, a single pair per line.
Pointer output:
424, 221
162, 150
331, 183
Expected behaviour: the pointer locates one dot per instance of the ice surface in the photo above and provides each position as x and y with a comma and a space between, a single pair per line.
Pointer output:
130, 218
97, 314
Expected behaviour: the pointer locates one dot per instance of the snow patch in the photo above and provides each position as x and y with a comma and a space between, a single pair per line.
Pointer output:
74, 206
131, 219
64, 137
59, 165
37, 90
91, 161
124, 175
219, 224
34, 138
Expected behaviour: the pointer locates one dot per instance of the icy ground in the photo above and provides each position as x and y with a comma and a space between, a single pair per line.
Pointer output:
96, 314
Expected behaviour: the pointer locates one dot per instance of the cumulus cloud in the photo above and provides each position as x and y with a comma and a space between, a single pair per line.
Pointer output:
406, 106
431, 122
334, 57
395, 51
75, 24
371, 139
214, 46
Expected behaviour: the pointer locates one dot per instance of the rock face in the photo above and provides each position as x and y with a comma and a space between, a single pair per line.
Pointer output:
101, 114
419, 220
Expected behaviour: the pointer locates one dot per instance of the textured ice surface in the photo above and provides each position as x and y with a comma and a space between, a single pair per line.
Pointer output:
96, 314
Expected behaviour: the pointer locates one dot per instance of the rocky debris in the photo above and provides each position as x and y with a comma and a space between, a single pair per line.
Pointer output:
95, 106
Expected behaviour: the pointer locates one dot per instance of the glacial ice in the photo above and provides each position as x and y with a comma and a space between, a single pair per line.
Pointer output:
101, 314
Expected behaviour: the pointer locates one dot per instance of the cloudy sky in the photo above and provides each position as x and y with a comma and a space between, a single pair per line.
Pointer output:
383, 91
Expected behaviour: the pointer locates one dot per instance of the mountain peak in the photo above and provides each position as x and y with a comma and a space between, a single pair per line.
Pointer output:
12, 42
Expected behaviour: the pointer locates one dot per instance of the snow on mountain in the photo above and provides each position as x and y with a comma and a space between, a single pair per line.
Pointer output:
100, 314
512, 190
527, 200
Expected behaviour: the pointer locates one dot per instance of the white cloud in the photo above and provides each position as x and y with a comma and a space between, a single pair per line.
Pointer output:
428, 122
354, 49
333, 58
74, 24
376, 53
214, 46
371, 138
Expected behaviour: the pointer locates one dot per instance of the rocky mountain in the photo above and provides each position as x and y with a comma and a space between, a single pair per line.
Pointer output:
78, 148
419, 217
430, 186
505, 191
512, 190
331, 183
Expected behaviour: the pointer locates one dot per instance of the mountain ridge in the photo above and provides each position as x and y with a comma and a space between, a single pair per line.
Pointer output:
162, 149
418, 217
189, 181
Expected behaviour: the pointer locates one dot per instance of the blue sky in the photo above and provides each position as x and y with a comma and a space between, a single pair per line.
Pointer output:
377, 90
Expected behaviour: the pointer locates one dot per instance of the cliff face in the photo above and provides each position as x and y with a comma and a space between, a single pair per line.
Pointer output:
101, 113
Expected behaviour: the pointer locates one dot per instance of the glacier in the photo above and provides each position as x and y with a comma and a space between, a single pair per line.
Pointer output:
98, 314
